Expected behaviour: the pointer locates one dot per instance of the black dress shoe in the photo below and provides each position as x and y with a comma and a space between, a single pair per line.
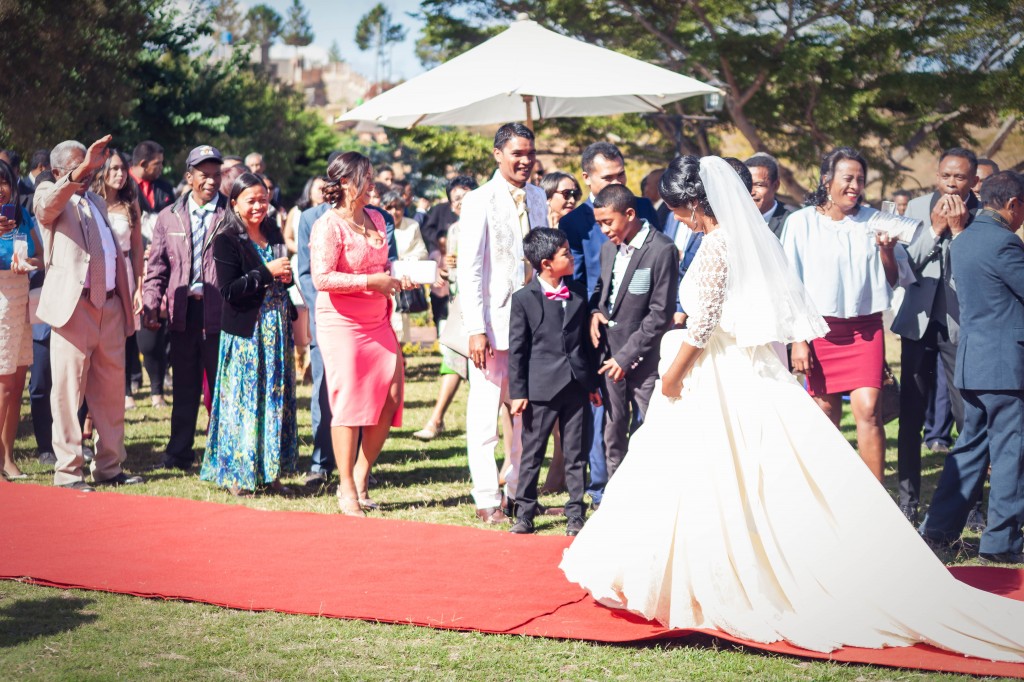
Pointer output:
938, 447
47, 459
910, 512
1001, 558
122, 479
522, 527
976, 520
80, 486
574, 525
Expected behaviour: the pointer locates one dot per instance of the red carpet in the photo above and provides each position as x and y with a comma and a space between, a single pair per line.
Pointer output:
370, 569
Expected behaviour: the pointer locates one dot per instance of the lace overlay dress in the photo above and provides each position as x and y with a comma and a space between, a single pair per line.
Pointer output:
741, 508
353, 324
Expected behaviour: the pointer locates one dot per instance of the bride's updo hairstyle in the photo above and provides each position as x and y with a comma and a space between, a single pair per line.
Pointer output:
681, 186
819, 197
353, 167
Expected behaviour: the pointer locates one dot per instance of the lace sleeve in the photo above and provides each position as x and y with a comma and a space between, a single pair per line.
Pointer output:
325, 252
712, 277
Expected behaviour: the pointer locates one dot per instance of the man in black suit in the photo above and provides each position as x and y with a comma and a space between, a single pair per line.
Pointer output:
764, 172
603, 165
155, 193
988, 271
552, 370
631, 309
441, 216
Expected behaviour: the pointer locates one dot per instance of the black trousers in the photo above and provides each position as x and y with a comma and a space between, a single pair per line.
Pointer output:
132, 363
39, 385
191, 355
153, 346
571, 407
620, 401
918, 359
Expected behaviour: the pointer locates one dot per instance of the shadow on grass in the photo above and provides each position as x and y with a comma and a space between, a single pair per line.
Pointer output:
28, 619
455, 501
426, 371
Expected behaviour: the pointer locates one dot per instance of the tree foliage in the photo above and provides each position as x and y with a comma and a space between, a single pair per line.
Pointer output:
297, 30
377, 30
803, 75
145, 69
263, 27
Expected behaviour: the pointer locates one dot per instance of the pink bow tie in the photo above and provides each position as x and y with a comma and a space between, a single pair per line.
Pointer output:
562, 294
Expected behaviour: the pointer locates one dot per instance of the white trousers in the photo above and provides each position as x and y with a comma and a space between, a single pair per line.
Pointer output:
488, 389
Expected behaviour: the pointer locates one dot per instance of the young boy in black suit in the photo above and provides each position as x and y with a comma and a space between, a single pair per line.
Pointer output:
631, 308
552, 373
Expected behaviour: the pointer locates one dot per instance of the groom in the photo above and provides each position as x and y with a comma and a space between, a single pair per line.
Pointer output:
494, 220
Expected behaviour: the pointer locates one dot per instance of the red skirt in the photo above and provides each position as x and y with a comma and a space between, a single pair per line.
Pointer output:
850, 356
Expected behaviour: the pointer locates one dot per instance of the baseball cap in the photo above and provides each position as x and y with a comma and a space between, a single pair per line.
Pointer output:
203, 153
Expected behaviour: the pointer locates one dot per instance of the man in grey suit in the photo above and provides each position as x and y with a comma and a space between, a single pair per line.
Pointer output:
928, 320
988, 273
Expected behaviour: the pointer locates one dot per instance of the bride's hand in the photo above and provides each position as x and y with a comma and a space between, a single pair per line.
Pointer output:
800, 357
671, 388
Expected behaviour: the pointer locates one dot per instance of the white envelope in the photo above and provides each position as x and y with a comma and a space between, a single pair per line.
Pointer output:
419, 271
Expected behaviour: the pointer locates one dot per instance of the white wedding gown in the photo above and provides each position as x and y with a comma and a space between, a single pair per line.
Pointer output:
741, 507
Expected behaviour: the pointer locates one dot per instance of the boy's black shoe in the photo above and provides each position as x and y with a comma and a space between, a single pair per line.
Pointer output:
522, 527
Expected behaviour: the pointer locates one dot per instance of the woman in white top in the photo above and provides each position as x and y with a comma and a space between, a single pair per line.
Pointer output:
119, 190
410, 246
850, 272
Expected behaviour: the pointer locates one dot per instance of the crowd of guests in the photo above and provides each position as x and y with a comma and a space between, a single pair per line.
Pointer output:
550, 303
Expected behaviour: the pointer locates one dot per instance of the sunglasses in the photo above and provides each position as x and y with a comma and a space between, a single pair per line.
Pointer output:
568, 194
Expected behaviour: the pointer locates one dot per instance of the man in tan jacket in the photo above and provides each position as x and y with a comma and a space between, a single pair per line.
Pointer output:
85, 299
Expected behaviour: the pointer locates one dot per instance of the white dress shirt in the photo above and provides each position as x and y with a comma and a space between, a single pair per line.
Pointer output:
110, 250
548, 289
767, 215
622, 257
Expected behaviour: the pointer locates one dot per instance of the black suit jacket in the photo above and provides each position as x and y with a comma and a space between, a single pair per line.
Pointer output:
439, 219
163, 196
244, 280
645, 300
548, 347
778, 218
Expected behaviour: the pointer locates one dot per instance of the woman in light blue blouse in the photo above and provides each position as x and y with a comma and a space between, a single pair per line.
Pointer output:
18, 248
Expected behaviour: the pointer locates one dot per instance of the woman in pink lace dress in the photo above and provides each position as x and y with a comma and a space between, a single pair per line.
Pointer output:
362, 360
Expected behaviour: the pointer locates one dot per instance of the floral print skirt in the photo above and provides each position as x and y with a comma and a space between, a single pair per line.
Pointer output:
252, 437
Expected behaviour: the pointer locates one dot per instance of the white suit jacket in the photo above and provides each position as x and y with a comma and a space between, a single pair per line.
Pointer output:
491, 256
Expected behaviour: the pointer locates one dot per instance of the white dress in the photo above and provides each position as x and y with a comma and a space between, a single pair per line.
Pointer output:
740, 507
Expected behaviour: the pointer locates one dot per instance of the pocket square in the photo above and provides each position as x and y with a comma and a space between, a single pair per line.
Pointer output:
640, 284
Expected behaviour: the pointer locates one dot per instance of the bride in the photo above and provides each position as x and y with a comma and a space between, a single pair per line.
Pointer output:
740, 506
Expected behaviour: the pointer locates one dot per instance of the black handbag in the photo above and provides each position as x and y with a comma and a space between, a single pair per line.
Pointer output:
890, 395
412, 301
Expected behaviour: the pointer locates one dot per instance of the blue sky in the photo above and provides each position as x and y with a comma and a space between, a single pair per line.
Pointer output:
334, 20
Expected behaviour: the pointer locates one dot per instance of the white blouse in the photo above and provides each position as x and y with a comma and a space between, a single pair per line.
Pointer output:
839, 262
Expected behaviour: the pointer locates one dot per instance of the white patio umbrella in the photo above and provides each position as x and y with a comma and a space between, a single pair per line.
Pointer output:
524, 73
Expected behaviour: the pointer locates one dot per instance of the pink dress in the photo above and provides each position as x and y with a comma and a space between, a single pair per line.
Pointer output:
353, 325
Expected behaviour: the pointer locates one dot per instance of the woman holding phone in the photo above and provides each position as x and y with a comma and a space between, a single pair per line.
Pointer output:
252, 438
18, 248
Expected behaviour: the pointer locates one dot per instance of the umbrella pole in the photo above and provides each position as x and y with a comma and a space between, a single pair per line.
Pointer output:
528, 101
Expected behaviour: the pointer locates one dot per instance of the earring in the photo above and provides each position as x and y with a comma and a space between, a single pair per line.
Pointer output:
830, 197
693, 214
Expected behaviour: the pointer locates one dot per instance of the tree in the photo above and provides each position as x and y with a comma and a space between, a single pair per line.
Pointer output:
264, 27
804, 76
334, 53
227, 17
378, 31
297, 31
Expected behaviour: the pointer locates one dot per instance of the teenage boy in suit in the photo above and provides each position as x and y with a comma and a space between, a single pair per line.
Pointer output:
631, 308
552, 373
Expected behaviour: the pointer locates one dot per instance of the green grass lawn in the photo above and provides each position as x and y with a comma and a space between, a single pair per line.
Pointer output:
50, 634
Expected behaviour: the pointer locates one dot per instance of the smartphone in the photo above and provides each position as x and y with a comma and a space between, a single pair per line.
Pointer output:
9, 211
